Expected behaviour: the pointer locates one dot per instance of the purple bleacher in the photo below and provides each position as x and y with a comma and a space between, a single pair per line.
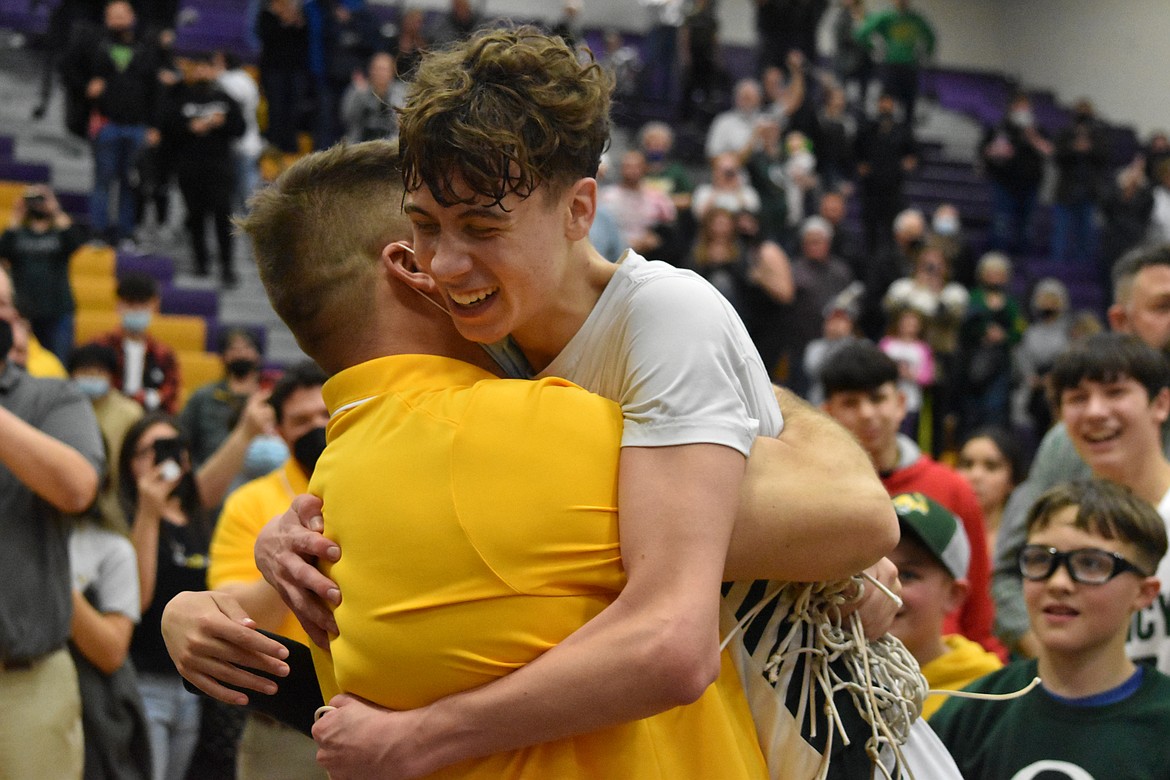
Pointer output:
26, 16
75, 204
6, 146
178, 300
10, 170
160, 267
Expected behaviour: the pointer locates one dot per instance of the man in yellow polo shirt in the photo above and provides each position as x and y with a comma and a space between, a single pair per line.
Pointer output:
267, 748
450, 536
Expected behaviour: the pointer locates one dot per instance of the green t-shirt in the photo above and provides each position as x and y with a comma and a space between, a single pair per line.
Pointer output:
1038, 736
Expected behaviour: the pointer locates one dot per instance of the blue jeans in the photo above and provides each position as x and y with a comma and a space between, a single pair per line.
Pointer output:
114, 151
1011, 218
172, 718
1074, 236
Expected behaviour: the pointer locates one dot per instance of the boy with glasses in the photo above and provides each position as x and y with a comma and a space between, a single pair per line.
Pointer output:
1088, 568
1113, 396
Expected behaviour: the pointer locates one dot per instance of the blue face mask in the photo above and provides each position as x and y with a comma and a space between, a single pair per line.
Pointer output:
136, 320
94, 387
266, 453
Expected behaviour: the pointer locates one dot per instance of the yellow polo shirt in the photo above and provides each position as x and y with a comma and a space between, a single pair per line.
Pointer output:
246, 511
478, 523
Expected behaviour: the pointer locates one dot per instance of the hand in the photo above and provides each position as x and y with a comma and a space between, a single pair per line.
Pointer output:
154, 492
153, 136
209, 637
360, 739
875, 609
795, 60
286, 553
258, 416
358, 79
95, 88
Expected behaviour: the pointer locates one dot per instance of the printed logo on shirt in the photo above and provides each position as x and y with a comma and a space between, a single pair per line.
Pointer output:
200, 110
1149, 630
1052, 770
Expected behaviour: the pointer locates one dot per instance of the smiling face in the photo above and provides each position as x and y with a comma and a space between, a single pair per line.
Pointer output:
505, 269
1071, 619
1114, 425
929, 593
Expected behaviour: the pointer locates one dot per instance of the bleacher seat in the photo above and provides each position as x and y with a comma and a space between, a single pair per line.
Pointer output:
94, 293
30, 173
93, 261
180, 331
160, 267
202, 303
197, 368
88, 324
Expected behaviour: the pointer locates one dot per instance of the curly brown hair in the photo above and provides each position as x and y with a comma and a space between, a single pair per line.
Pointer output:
318, 234
503, 112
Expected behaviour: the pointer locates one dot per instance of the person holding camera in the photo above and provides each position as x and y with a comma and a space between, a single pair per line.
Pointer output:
36, 248
170, 528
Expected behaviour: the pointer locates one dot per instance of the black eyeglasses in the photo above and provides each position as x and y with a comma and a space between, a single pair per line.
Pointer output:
1088, 566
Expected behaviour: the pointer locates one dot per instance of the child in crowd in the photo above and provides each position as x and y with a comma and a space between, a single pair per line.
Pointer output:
1088, 567
932, 559
904, 343
836, 331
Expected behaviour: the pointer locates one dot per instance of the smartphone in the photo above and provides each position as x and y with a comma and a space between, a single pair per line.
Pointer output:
168, 449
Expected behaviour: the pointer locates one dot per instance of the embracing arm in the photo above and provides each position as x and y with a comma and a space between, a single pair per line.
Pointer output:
654, 648
812, 485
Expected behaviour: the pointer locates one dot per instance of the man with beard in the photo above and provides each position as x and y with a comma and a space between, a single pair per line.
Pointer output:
1141, 307
201, 121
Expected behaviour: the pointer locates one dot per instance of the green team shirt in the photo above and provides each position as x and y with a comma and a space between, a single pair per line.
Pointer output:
1038, 737
908, 36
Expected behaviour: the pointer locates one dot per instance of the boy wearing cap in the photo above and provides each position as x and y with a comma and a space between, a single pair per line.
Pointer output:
932, 559
1087, 567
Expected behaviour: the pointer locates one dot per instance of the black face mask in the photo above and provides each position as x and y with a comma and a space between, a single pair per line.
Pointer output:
241, 367
994, 288
1048, 314
308, 449
5, 340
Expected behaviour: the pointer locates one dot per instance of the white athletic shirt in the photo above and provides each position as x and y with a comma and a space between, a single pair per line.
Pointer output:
1149, 630
671, 350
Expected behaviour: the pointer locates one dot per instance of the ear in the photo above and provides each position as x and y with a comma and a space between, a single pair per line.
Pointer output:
1160, 406
1118, 321
1148, 591
398, 260
581, 207
957, 595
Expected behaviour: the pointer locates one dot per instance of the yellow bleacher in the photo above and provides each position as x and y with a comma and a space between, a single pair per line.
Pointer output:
93, 261
180, 332
94, 293
197, 369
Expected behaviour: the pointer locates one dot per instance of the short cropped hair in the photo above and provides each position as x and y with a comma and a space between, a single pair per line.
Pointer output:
299, 376
94, 356
1107, 357
137, 287
318, 233
1109, 511
1132, 262
503, 113
859, 366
